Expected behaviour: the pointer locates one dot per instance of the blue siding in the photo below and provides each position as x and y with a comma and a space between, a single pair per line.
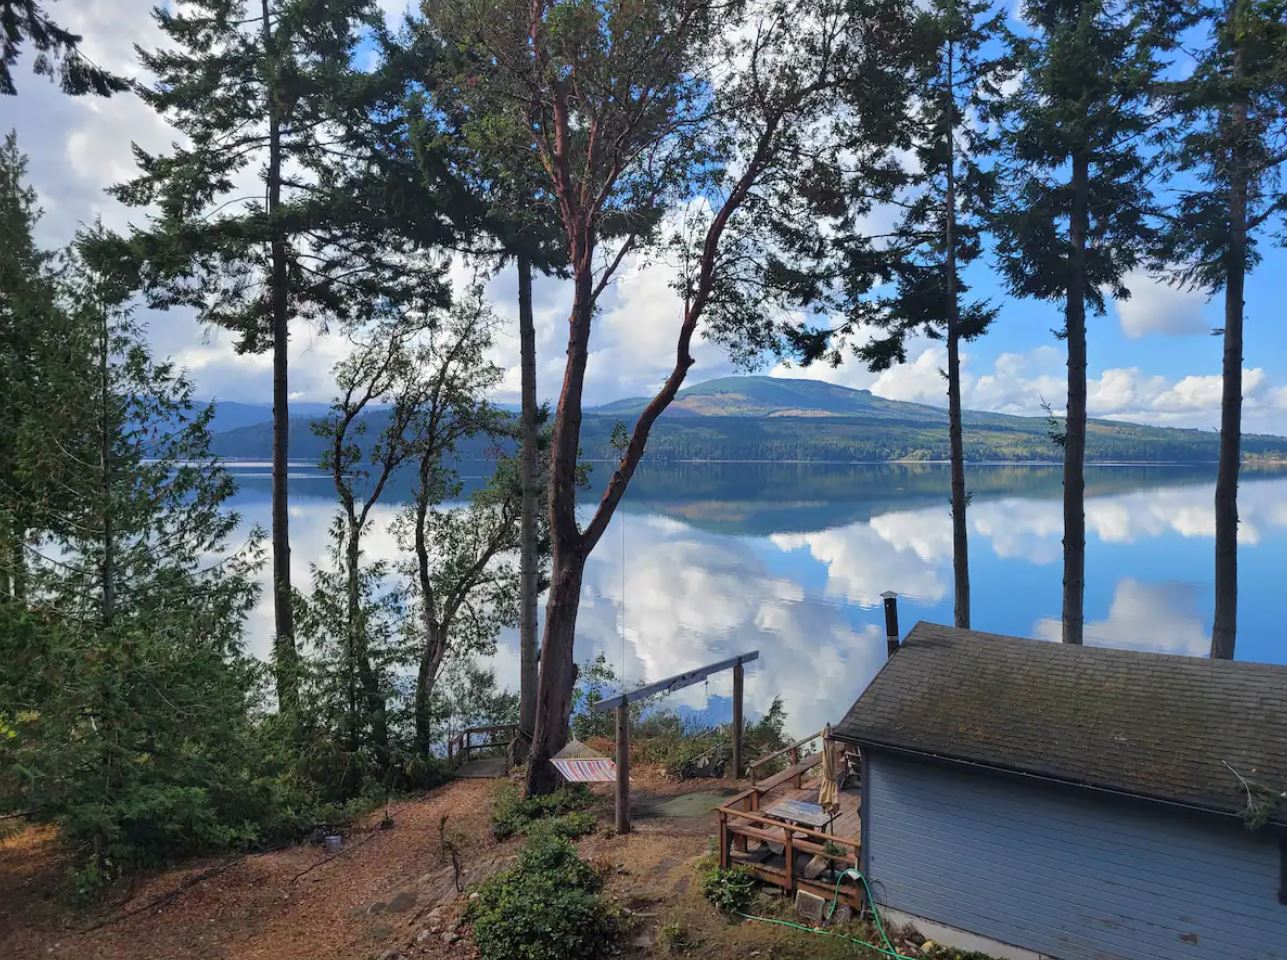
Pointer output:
1068, 874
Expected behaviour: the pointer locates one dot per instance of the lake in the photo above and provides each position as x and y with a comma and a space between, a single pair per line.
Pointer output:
707, 560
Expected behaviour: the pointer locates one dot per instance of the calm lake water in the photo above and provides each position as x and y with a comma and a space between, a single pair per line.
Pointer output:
708, 560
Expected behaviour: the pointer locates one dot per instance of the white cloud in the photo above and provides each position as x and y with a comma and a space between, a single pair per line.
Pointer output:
1158, 307
1155, 617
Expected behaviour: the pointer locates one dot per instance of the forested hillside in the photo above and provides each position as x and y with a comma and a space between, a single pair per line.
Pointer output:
763, 418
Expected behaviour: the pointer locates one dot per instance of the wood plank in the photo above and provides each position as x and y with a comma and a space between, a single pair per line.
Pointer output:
677, 682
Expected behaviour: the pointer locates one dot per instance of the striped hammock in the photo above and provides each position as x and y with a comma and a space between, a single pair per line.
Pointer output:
600, 770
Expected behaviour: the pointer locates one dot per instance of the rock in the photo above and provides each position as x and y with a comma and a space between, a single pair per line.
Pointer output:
814, 868
473, 896
377, 908
810, 906
392, 955
844, 914
451, 936
642, 940
402, 901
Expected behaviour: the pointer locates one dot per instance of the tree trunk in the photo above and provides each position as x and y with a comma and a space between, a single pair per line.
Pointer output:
1075, 425
960, 533
431, 657
373, 699
558, 674
108, 571
529, 470
1224, 626
567, 561
285, 656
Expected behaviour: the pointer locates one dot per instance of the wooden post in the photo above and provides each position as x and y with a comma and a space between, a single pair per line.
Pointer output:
737, 722
623, 768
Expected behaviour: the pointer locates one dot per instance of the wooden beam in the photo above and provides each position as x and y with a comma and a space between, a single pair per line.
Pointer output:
737, 721
677, 682
623, 769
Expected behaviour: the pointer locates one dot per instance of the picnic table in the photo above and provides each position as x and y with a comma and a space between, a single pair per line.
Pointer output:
800, 813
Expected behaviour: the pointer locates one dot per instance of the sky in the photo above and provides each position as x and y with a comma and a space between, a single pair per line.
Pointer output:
1153, 358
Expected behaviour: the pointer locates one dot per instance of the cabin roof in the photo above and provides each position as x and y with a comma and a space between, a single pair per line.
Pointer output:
1152, 725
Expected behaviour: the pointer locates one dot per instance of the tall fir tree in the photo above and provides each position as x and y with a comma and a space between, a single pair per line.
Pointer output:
1078, 211
27, 313
1229, 159
951, 196
272, 94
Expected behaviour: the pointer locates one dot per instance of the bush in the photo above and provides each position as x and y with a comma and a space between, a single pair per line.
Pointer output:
514, 814
730, 890
546, 907
579, 823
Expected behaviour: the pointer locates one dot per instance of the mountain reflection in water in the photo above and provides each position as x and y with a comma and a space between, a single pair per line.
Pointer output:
791, 559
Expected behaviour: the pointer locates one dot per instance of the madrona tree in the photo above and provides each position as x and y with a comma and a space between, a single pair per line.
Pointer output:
717, 114
1078, 211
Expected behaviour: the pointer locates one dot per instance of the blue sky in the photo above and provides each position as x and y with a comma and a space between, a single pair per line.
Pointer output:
1152, 359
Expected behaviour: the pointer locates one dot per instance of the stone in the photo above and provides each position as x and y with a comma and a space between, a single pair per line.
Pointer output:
843, 914
810, 906
815, 867
451, 936
402, 901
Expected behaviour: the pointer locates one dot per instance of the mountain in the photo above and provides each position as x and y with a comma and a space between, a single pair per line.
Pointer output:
229, 414
764, 418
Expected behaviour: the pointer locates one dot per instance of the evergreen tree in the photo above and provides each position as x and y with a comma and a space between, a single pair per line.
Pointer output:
1232, 150
126, 693
1078, 209
57, 49
27, 307
952, 192
274, 88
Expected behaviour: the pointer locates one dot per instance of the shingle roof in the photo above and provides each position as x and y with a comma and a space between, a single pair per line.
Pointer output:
1149, 724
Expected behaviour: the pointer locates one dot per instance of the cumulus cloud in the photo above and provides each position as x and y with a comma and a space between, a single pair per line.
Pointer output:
1153, 617
1155, 306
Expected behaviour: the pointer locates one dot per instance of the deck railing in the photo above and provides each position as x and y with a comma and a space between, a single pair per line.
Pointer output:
740, 821
461, 746
755, 769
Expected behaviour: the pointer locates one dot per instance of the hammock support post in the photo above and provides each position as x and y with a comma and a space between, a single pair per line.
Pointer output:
623, 769
621, 704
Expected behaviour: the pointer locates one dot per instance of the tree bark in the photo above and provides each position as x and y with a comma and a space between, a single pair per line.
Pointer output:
108, 571
373, 700
285, 656
431, 657
529, 468
567, 560
1224, 626
960, 533
1075, 421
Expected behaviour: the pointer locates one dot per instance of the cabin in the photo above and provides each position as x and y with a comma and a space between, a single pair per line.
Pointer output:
1033, 800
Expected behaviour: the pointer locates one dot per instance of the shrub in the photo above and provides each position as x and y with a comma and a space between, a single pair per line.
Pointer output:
579, 823
514, 814
675, 938
546, 907
730, 890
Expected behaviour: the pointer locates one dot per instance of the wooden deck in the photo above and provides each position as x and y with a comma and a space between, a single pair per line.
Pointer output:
779, 853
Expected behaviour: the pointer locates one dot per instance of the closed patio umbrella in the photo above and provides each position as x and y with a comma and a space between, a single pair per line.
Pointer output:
829, 795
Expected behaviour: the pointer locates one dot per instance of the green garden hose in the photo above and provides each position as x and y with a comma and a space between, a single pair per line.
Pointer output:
888, 950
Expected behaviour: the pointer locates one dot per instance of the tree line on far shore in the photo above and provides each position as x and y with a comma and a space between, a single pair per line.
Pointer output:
332, 167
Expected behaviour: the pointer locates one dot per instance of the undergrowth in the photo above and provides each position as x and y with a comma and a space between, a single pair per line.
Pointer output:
546, 907
562, 812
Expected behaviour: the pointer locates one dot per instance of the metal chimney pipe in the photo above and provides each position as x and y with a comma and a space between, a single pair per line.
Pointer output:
891, 621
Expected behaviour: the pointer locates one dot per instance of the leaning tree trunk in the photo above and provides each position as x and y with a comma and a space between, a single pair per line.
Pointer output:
285, 656
568, 556
529, 471
960, 533
373, 699
1075, 427
1224, 626
431, 657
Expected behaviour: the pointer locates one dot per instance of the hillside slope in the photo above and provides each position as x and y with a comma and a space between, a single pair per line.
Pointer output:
764, 418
